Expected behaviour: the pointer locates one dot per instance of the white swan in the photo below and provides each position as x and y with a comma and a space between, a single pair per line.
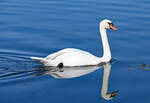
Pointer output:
76, 57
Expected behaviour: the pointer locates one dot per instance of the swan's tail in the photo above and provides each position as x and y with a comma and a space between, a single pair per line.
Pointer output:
39, 59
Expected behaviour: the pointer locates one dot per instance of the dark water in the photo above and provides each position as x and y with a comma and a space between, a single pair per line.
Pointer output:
40, 27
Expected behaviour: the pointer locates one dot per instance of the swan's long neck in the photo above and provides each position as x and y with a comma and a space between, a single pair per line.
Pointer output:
106, 49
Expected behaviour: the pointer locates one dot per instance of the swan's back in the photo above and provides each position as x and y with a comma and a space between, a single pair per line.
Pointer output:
72, 57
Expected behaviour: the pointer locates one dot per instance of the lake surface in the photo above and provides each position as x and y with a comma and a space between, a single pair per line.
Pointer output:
40, 27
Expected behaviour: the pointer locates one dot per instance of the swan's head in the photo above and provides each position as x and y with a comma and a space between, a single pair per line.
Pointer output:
107, 24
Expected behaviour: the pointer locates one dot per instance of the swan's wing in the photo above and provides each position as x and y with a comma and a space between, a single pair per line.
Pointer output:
54, 55
61, 52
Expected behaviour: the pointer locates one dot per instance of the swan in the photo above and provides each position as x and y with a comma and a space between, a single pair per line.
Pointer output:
75, 57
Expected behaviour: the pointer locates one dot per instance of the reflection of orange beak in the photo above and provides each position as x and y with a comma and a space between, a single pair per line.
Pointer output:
114, 93
112, 27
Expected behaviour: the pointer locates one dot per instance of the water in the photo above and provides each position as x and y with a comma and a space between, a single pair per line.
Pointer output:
40, 27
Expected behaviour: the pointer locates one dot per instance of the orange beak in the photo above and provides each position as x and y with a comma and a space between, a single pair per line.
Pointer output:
112, 27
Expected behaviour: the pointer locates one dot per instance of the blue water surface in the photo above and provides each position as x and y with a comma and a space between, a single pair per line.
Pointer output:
40, 27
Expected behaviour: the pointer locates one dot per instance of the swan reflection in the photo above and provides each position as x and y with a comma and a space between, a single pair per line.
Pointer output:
104, 90
72, 72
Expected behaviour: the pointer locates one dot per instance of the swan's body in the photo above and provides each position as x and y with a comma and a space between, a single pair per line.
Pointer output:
69, 57
76, 57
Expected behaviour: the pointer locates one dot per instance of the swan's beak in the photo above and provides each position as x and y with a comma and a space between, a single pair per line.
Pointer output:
112, 27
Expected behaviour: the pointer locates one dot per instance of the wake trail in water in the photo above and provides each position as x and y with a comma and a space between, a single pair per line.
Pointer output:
15, 66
